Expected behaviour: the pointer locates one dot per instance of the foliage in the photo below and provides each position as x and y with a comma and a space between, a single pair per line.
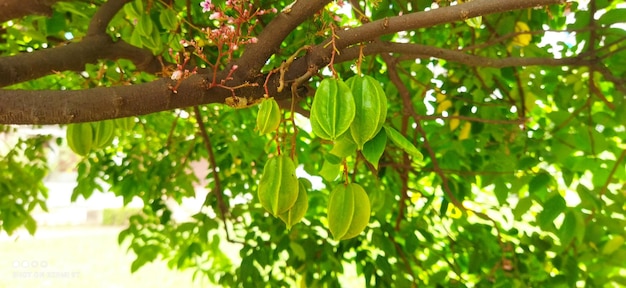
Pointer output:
500, 161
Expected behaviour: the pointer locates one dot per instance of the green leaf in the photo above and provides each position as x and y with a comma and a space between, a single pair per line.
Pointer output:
612, 245
404, 144
167, 17
551, 209
140, 261
145, 25
612, 16
539, 183
298, 250
343, 147
501, 191
522, 207
567, 231
330, 171
373, 149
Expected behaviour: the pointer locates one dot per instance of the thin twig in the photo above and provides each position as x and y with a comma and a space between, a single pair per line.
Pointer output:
408, 105
217, 189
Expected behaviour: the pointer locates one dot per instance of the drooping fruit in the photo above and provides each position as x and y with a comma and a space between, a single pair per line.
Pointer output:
370, 108
278, 188
348, 211
269, 116
126, 123
80, 138
297, 211
333, 109
103, 133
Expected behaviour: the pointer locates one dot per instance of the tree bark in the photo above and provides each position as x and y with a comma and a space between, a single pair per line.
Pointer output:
12, 9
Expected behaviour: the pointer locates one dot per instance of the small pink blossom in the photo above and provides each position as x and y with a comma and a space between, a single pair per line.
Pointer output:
177, 75
215, 15
206, 6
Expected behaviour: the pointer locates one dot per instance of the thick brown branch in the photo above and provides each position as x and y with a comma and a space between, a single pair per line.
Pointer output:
373, 30
50, 107
61, 107
72, 57
419, 51
11, 9
103, 16
256, 55
320, 54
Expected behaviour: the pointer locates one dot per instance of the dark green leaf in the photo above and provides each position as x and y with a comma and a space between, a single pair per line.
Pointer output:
404, 144
373, 149
551, 209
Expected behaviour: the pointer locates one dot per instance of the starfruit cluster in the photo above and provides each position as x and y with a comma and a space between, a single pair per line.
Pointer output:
281, 193
351, 114
86, 137
359, 104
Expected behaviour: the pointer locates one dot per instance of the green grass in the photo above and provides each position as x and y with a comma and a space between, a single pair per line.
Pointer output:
80, 257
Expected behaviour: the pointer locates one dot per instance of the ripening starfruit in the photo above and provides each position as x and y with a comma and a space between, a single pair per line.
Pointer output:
348, 211
269, 116
370, 108
126, 123
297, 211
332, 110
103, 133
80, 138
278, 188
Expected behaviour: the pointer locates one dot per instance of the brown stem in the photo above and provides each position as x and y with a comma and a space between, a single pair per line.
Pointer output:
217, 189
406, 99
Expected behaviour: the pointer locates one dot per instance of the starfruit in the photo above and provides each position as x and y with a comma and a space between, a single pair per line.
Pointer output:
278, 188
297, 211
269, 116
103, 133
348, 211
333, 109
80, 138
371, 108
126, 123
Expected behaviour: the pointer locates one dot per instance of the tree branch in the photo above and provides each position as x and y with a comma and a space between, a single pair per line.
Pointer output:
72, 57
103, 16
60, 107
256, 55
320, 55
11, 9
373, 30
419, 51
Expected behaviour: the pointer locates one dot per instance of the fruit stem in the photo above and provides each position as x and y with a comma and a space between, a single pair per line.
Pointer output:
345, 172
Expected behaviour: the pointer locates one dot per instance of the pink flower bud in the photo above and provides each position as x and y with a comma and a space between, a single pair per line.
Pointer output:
177, 75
